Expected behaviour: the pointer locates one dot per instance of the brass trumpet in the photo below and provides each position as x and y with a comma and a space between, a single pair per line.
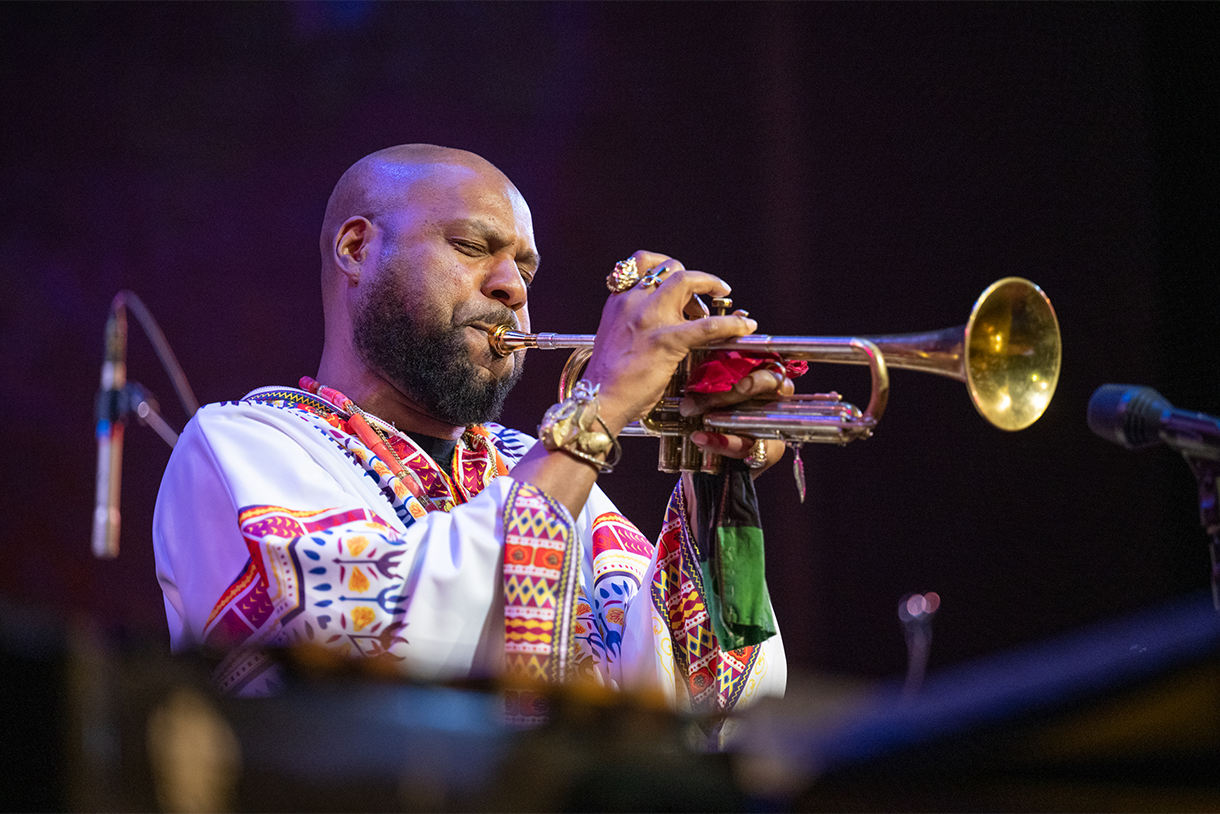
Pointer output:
1008, 355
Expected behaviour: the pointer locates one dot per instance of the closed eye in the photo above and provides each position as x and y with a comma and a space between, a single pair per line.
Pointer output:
467, 247
472, 248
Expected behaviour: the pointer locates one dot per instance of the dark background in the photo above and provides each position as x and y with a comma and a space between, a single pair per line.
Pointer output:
849, 168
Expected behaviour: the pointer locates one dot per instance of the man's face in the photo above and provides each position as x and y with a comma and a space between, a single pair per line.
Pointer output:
454, 261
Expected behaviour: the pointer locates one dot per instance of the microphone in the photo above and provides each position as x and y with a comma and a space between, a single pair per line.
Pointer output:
119, 398
1133, 416
110, 421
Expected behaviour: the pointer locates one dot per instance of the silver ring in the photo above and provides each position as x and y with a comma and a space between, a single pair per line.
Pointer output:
653, 277
757, 458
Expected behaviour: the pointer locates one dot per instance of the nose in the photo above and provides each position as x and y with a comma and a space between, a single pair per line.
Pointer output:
504, 283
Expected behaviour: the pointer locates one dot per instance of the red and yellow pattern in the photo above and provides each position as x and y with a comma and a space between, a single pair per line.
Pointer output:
541, 577
540, 580
621, 555
714, 678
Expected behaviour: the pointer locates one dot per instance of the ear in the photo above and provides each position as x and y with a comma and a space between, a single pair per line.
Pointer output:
355, 242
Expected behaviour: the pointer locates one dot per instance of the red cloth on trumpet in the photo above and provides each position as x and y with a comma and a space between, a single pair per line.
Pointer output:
724, 368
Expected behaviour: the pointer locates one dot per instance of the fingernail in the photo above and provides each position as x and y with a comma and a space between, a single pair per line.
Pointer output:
698, 437
752, 323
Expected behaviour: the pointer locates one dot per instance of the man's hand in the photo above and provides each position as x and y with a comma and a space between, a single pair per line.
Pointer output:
645, 333
758, 384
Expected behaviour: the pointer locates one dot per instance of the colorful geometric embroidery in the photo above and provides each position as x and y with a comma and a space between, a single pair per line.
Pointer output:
342, 562
512, 444
243, 609
476, 461
715, 679
621, 556
246, 605
541, 577
333, 425
587, 639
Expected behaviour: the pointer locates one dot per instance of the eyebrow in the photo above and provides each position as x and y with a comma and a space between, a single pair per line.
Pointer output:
488, 231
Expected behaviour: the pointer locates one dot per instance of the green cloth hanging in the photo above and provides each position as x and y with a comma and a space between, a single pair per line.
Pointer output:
729, 540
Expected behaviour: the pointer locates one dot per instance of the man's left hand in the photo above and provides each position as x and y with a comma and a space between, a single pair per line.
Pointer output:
759, 384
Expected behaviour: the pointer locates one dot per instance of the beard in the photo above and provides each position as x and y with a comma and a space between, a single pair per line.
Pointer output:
426, 354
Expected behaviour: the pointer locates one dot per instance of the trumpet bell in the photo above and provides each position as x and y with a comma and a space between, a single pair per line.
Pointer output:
1012, 353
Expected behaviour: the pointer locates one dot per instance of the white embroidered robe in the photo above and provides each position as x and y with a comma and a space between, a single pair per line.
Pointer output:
273, 526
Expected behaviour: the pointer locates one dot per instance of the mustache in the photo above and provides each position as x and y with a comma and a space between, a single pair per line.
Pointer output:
493, 317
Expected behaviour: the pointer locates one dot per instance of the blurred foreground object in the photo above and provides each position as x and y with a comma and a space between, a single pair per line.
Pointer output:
1123, 716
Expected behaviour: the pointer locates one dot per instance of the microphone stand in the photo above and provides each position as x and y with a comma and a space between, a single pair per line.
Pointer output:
116, 402
134, 398
1205, 470
1133, 416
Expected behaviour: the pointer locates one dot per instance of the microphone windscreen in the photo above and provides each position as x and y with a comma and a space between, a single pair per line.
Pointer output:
1127, 414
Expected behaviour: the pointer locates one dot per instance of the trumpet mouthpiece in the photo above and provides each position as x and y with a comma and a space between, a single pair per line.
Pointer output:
504, 340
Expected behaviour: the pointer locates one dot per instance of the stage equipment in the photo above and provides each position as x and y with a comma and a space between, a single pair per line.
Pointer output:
915, 612
1134, 416
1117, 716
117, 400
1007, 354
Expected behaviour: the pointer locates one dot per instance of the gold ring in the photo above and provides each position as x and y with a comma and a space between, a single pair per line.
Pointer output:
757, 458
625, 275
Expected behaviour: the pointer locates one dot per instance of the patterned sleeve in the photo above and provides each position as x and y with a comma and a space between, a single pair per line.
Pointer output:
707, 678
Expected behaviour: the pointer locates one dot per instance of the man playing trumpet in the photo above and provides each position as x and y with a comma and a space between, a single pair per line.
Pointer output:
379, 512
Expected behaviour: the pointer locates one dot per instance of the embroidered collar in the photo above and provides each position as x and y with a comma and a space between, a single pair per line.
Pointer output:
475, 463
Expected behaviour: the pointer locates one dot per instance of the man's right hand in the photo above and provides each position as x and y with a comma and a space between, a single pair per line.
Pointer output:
644, 334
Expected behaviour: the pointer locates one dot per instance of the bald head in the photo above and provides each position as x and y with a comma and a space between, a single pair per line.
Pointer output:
381, 181
424, 248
